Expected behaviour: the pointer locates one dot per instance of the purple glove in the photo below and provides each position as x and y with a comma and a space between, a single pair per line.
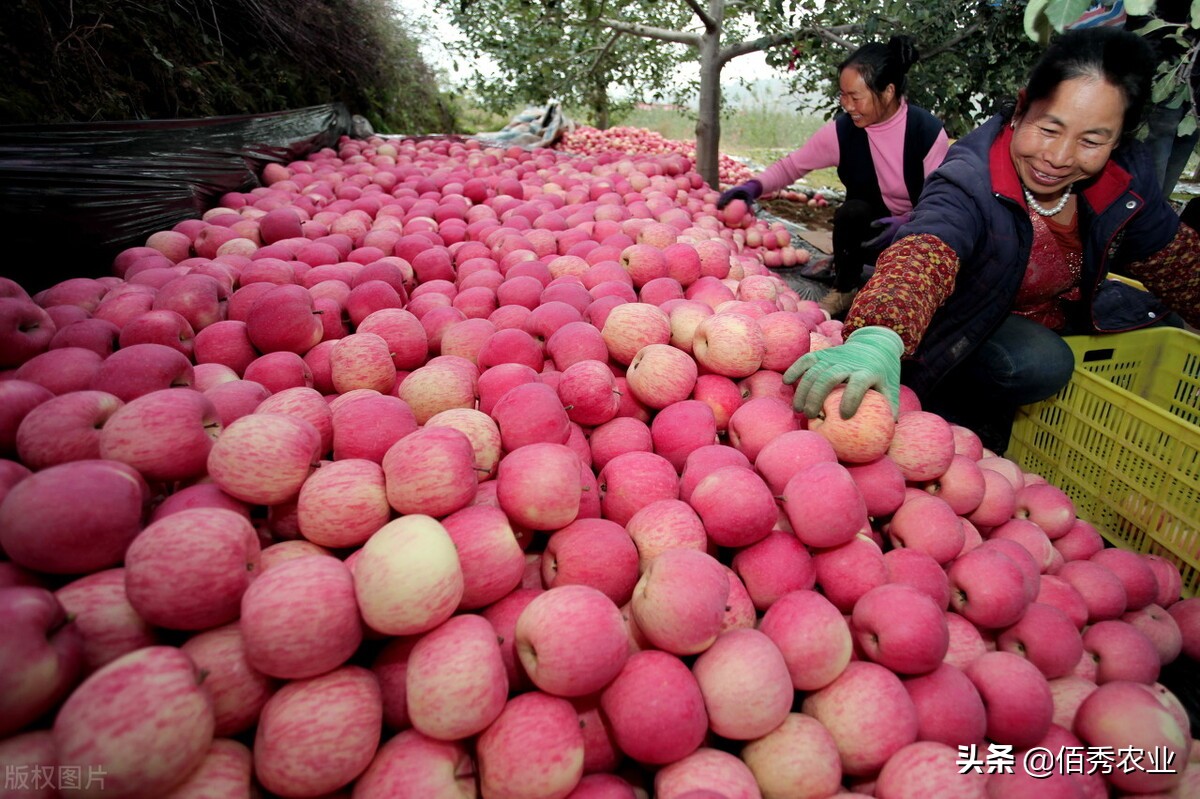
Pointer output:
748, 192
888, 227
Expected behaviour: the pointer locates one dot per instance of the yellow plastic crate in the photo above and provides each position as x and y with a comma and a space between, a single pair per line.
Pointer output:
1122, 439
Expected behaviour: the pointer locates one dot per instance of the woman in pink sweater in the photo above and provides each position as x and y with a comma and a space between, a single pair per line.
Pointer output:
883, 149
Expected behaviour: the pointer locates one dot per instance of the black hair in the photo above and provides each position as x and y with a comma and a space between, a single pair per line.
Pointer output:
880, 64
1114, 55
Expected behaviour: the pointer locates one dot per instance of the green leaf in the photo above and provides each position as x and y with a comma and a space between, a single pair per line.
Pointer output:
1153, 25
1139, 8
1037, 27
1196, 13
1062, 13
1187, 125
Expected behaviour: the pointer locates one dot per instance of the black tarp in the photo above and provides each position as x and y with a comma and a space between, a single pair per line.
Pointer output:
74, 195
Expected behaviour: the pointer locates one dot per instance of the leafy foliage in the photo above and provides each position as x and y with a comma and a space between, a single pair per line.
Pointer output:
550, 49
1175, 82
122, 59
974, 55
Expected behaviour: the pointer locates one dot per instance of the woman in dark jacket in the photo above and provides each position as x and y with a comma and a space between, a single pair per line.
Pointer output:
1010, 245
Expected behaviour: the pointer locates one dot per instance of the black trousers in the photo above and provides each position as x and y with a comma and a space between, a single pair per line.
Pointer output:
851, 227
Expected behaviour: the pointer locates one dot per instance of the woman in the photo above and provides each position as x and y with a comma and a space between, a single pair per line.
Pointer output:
1010, 245
883, 148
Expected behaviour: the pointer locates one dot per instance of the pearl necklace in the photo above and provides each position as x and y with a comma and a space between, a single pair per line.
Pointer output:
1037, 209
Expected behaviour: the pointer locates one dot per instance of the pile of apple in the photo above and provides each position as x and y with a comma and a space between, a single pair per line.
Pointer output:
431, 469
629, 140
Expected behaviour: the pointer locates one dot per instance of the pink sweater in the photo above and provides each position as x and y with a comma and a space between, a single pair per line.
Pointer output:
886, 140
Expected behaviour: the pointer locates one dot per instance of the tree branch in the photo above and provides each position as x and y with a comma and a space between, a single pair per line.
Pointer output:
603, 51
952, 43
833, 34
651, 32
709, 23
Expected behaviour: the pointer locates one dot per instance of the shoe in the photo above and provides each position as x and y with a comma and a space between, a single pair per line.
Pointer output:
836, 303
821, 270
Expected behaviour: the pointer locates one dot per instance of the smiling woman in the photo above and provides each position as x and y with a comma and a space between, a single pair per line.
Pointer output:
1009, 247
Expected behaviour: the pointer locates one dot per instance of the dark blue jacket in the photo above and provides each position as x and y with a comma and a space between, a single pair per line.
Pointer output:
973, 202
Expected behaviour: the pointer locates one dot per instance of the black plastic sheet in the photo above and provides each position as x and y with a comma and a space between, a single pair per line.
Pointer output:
74, 195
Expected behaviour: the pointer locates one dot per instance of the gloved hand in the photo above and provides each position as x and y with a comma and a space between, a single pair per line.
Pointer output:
748, 192
869, 358
888, 227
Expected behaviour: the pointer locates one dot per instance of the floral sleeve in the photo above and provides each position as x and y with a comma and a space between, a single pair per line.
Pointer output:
1173, 274
912, 279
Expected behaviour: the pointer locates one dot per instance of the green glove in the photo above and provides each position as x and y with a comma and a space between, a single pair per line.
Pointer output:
869, 358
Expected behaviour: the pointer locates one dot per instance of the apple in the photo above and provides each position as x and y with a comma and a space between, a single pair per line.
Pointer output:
735, 505
42, 659
1135, 574
226, 770
665, 524
408, 579
538, 485
631, 326
824, 506
139, 369
530, 413
1160, 627
1124, 714
588, 393
986, 588
159, 327
25, 330
239, 691
64, 428
681, 428
534, 749
922, 445
655, 708
430, 471
1047, 506
847, 571
367, 427
928, 524
98, 335
679, 601
1047, 637
865, 436
283, 319
631, 480
414, 765
318, 734
758, 421
901, 628
1053, 590
166, 435
456, 684
706, 774
159, 717
966, 641
929, 768
949, 708
107, 623
571, 640
660, 375
593, 552
773, 567
868, 713
17, 399
264, 458
1121, 652
998, 502
729, 344
961, 486
745, 683
799, 758
343, 503
1101, 589
43, 531
282, 642
921, 571
1017, 697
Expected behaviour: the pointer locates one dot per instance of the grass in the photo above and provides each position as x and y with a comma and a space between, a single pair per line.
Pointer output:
757, 134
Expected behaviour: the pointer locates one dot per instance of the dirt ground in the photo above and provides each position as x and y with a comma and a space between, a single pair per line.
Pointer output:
813, 217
